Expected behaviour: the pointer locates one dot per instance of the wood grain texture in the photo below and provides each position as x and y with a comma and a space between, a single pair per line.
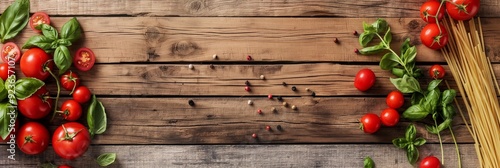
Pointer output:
186, 39
337, 8
218, 156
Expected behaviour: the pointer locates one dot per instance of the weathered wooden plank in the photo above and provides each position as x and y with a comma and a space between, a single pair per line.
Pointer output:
216, 156
185, 39
337, 8
233, 121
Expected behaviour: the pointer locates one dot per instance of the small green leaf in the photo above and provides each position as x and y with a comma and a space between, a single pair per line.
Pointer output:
368, 162
388, 36
416, 98
63, 42
398, 72
380, 25
419, 142
400, 143
433, 84
389, 61
25, 87
415, 112
62, 59
405, 46
406, 84
14, 19
39, 41
448, 112
448, 97
410, 133
368, 28
410, 54
48, 31
372, 49
71, 30
412, 154
3, 91
6, 115
431, 100
106, 159
365, 38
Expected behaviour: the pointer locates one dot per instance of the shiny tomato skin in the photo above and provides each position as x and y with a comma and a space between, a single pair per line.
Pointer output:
70, 80
432, 37
395, 99
370, 123
462, 9
72, 110
84, 59
364, 80
82, 94
437, 72
64, 166
430, 162
32, 138
37, 105
37, 19
71, 147
4, 71
33, 63
10, 52
389, 117
429, 10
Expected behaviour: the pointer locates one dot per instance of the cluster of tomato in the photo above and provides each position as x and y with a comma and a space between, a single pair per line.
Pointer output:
434, 35
71, 139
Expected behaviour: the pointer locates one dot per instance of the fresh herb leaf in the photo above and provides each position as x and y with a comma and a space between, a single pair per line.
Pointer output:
6, 114
369, 28
398, 72
71, 30
419, 141
400, 143
431, 100
365, 38
368, 162
25, 87
48, 31
406, 84
62, 59
388, 36
410, 54
372, 49
39, 41
415, 112
64, 42
96, 117
433, 84
389, 61
380, 25
448, 97
412, 154
411, 133
106, 159
416, 98
14, 19
448, 112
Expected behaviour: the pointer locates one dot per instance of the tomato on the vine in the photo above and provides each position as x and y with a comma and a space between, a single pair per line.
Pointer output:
437, 72
38, 18
70, 80
82, 94
364, 80
389, 117
37, 105
4, 71
71, 110
10, 52
395, 99
430, 162
434, 36
462, 9
370, 123
84, 59
34, 63
71, 140
32, 138
429, 11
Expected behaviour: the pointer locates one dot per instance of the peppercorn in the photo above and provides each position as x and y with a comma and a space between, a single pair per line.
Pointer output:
249, 58
268, 128
270, 96
254, 135
215, 56
336, 40
248, 89
280, 98
313, 94
262, 77
250, 102
294, 107
279, 128
294, 88
356, 51
273, 109
247, 83
191, 102
259, 111
355, 32
284, 84
212, 66
285, 104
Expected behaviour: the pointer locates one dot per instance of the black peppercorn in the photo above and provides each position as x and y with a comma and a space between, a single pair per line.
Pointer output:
191, 102
294, 88
279, 128
247, 83
280, 98
284, 84
313, 94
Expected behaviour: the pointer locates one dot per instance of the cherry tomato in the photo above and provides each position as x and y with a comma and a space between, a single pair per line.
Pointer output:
429, 11
64, 166
82, 94
4, 71
10, 52
395, 99
32, 138
39, 18
437, 72
71, 110
364, 79
430, 162
37, 105
432, 37
370, 123
84, 59
462, 9
389, 117
69, 80
71, 140
34, 63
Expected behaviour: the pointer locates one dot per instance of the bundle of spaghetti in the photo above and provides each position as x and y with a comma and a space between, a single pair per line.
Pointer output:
477, 84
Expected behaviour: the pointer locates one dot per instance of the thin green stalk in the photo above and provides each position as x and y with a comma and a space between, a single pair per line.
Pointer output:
58, 91
456, 148
388, 47
440, 143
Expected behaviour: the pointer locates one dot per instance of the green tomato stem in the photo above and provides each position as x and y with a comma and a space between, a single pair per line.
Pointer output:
440, 142
456, 148
58, 91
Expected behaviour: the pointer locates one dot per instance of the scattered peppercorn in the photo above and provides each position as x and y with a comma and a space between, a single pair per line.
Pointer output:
247, 83
355, 32
313, 94
270, 96
268, 128
279, 128
284, 84
294, 107
262, 77
336, 40
273, 109
250, 102
280, 98
215, 56
212, 66
190, 66
249, 58
191, 102
247, 88
307, 89
285, 104
254, 135
294, 88
259, 111
356, 51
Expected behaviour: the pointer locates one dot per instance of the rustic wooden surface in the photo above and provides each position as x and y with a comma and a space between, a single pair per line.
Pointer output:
144, 47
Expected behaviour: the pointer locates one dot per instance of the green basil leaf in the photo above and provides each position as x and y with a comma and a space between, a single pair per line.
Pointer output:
405, 46
7, 113
365, 38
412, 154
368, 28
448, 112
372, 49
431, 129
26, 87
398, 72
96, 117
445, 124
448, 97
388, 36
39, 41
3, 91
410, 54
389, 61
400, 143
417, 73
380, 25
106, 159
48, 31
63, 42
62, 59
410, 133
14, 19
415, 112
406, 84
431, 100
416, 98
419, 142
71, 30
433, 84
368, 162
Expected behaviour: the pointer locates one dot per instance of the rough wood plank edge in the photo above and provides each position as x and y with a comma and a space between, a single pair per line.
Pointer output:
195, 39
351, 155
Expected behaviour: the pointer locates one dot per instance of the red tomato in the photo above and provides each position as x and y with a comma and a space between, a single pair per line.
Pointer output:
432, 37
64, 166
71, 110
32, 138
34, 63
37, 105
430, 162
437, 72
4, 71
82, 94
429, 11
395, 99
71, 140
389, 117
370, 123
69, 80
84, 59
364, 79
462, 9
10, 52
39, 18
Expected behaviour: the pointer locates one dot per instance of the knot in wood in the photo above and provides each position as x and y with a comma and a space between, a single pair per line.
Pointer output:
184, 48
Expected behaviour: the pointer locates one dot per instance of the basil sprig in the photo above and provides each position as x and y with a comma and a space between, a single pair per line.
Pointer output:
410, 143
14, 19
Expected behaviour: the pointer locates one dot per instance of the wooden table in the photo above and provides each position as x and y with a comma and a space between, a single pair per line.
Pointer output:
142, 76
